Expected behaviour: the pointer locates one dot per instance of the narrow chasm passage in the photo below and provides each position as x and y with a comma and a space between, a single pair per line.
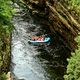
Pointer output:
30, 62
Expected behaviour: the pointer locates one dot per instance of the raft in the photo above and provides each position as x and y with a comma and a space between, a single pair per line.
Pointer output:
38, 42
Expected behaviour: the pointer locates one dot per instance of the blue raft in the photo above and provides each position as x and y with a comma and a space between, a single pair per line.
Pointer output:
37, 42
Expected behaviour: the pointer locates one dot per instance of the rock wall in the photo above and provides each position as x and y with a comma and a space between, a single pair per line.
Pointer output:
58, 18
5, 54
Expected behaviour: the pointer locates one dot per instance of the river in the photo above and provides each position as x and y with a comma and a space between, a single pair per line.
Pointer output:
29, 62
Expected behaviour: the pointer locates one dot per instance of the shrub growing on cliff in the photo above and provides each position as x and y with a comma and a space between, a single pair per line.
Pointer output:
3, 76
5, 29
73, 68
74, 5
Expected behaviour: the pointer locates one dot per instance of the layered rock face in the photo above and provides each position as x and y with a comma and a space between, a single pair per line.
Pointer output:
57, 17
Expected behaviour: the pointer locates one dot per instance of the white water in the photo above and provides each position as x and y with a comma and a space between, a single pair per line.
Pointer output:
25, 64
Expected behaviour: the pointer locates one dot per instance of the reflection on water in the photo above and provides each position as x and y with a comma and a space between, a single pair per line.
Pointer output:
33, 63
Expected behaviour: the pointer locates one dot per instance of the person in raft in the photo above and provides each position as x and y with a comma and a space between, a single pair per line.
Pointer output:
39, 38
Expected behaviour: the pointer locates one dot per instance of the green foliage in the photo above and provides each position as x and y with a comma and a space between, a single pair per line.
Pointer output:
73, 68
5, 30
3, 76
5, 15
74, 5
74, 2
78, 40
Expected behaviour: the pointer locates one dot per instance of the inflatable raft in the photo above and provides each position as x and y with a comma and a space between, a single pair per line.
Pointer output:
36, 42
